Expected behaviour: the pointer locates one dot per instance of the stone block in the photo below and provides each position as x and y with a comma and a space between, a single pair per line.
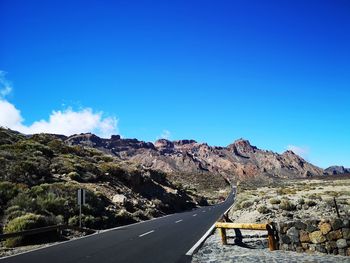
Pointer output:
346, 233
317, 237
321, 248
300, 225
285, 239
325, 228
341, 243
293, 234
305, 246
311, 228
304, 236
341, 251
336, 223
334, 235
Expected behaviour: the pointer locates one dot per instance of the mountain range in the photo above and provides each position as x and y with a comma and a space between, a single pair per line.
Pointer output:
237, 161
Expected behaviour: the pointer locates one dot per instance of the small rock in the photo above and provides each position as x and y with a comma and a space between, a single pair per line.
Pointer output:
346, 223
348, 251
311, 228
317, 237
293, 234
300, 225
305, 246
336, 224
334, 235
341, 251
119, 199
304, 236
285, 239
321, 248
299, 249
346, 233
312, 247
330, 246
325, 228
341, 243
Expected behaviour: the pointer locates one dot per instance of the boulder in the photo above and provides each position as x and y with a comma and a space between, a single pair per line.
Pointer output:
334, 235
317, 237
337, 224
341, 243
325, 228
304, 236
346, 233
293, 234
119, 199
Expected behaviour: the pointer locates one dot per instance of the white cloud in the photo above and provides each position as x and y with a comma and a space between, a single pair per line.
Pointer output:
301, 151
65, 121
5, 85
165, 135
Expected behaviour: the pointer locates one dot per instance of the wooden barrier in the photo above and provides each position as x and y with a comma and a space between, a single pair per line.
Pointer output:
43, 230
222, 226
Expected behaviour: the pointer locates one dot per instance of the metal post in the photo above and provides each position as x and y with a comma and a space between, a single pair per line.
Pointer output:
80, 215
336, 207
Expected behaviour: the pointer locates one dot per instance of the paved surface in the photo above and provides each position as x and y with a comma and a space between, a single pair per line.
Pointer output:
165, 239
257, 252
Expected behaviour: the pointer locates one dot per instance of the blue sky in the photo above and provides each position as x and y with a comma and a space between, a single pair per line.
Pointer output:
274, 72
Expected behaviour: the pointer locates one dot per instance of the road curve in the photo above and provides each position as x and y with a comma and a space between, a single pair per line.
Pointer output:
165, 239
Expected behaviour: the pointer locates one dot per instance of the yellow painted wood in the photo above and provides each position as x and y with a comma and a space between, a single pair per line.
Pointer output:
241, 226
223, 236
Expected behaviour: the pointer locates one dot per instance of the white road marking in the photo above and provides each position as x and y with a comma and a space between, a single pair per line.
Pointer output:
204, 237
203, 211
178, 221
195, 215
149, 232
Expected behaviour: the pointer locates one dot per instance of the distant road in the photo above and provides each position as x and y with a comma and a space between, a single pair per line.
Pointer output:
165, 239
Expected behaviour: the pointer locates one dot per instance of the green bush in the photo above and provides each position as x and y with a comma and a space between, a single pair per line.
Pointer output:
246, 204
275, 201
8, 191
311, 203
25, 222
301, 201
287, 205
74, 176
263, 209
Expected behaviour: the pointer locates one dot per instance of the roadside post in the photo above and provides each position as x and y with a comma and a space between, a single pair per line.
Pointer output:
81, 202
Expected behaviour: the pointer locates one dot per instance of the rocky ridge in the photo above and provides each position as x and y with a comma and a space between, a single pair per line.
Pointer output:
238, 161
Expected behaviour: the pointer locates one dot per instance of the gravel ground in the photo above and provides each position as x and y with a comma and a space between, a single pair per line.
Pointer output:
257, 251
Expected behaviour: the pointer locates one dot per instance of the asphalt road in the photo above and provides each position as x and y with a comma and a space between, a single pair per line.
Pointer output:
165, 239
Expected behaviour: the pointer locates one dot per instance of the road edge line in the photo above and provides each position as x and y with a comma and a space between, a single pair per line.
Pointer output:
204, 237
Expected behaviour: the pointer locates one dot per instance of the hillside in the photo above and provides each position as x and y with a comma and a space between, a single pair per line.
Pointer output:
40, 174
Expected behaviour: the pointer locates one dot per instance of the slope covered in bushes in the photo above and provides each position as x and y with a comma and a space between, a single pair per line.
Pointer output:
40, 175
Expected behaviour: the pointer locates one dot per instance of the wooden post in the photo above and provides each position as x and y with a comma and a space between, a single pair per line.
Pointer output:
271, 238
336, 207
223, 235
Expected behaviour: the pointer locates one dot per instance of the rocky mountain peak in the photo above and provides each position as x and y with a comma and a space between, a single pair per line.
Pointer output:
163, 143
184, 142
87, 139
243, 148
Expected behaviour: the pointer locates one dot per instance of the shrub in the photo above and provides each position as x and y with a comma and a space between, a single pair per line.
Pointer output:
74, 176
311, 203
287, 205
301, 201
246, 204
275, 201
25, 222
7, 192
263, 209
